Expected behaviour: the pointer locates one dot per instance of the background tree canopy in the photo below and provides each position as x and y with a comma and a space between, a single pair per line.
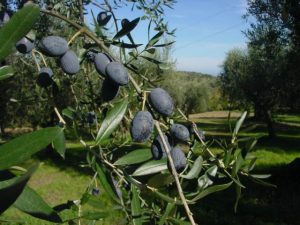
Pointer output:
266, 75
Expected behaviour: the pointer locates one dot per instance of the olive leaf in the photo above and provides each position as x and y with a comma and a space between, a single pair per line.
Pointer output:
6, 72
134, 157
136, 207
21, 148
17, 27
111, 121
127, 28
12, 188
153, 166
31, 203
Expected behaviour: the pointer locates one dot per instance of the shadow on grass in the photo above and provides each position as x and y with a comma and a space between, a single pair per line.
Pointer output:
259, 205
75, 159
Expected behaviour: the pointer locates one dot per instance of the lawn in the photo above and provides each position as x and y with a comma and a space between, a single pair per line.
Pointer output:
259, 205
59, 180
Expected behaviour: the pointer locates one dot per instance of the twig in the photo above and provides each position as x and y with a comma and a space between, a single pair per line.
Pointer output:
41, 55
144, 100
174, 172
75, 36
61, 119
35, 60
81, 11
195, 129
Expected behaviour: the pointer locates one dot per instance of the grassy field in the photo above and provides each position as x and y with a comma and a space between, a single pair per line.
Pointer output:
259, 205
60, 180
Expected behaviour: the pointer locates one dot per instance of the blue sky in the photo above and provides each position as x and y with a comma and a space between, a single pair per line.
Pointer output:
206, 31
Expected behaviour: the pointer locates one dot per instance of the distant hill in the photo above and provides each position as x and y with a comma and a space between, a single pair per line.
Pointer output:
192, 91
196, 74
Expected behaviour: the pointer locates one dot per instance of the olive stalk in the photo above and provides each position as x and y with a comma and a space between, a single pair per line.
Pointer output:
36, 61
61, 119
175, 175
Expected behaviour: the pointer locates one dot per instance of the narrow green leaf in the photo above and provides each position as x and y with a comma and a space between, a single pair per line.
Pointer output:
69, 112
133, 181
178, 221
250, 144
134, 157
167, 198
239, 124
212, 171
264, 183
238, 191
6, 72
196, 169
149, 27
228, 156
97, 27
17, 27
59, 144
165, 45
151, 50
234, 179
127, 28
204, 182
21, 148
154, 39
155, 61
31, 203
151, 167
125, 45
170, 207
164, 66
111, 121
239, 161
252, 164
211, 190
11, 189
261, 176
136, 210
104, 178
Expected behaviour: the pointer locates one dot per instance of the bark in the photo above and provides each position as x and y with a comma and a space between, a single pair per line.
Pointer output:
264, 115
269, 121
258, 113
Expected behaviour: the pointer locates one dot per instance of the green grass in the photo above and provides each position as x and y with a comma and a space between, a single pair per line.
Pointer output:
58, 181
259, 205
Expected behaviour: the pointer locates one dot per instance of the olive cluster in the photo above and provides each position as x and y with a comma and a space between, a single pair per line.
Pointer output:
143, 124
114, 73
52, 46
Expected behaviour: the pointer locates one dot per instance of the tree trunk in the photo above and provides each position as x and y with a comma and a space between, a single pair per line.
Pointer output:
270, 125
258, 113
2, 132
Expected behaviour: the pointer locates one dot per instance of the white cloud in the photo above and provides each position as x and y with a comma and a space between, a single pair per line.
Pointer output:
209, 65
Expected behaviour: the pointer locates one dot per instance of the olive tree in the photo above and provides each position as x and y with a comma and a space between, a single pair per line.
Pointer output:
151, 166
